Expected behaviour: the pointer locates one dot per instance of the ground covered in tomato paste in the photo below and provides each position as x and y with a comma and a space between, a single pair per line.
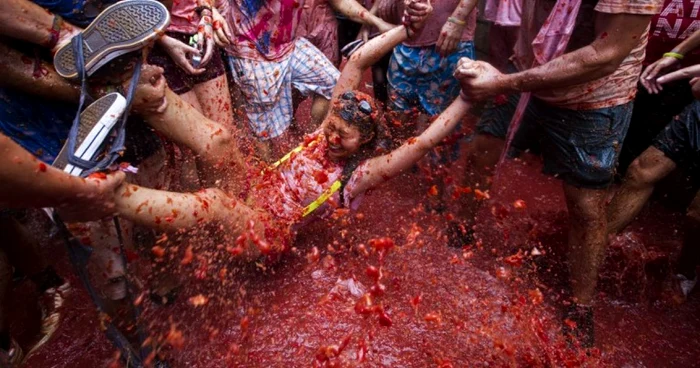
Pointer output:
380, 288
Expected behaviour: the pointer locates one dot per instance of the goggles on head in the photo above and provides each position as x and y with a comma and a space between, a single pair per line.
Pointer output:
363, 106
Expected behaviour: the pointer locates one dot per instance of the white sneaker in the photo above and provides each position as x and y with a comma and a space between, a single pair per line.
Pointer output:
96, 121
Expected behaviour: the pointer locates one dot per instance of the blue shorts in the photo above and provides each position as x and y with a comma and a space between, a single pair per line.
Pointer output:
420, 78
39, 126
680, 140
579, 146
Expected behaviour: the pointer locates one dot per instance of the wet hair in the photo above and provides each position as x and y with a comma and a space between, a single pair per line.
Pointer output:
359, 110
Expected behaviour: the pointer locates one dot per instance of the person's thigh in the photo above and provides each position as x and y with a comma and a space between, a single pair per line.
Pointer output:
582, 146
191, 98
215, 100
312, 72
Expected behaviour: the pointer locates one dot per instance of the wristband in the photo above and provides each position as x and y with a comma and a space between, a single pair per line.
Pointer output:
675, 55
54, 32
456, 21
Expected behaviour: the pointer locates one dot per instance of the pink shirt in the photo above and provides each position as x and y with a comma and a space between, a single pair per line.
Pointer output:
503, 12
286, 190
263, 29
184, 19
615, 89
319, 25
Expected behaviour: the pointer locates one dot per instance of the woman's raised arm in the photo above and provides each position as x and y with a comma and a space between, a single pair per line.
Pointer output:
385, 167
372, 51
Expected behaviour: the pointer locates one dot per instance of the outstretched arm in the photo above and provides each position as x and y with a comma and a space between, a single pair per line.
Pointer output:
375, 49
600, 58
383, 168
650, 76
367, 56
26, 182
357, 13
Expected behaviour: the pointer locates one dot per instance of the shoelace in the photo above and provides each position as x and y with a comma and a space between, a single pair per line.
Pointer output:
78, 253
117, 147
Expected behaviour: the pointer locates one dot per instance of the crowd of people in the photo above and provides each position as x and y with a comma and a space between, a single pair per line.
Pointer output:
201, 96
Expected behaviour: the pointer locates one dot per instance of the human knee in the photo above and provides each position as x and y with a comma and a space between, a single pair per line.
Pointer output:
586, 210
642, 172
221, 142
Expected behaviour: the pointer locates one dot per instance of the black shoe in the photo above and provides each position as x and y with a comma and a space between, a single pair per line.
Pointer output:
578, 326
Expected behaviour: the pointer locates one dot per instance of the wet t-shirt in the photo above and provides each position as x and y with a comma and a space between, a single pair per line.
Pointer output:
677, 20
263, 29
285, 191
615, 89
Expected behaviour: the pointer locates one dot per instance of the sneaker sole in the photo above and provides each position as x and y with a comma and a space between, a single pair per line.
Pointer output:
96, 121
121, 28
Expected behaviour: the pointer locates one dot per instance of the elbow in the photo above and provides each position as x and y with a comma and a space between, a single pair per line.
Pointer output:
609, 66
606, 61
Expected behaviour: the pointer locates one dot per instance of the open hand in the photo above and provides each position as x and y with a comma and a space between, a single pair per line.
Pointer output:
449, 38
650, 75
222, 33
181, 54
685, 73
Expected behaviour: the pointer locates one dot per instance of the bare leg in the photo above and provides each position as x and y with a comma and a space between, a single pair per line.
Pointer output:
170, 211
211, 141
191, 98
587, 239
215, 100
481, 155
644, 172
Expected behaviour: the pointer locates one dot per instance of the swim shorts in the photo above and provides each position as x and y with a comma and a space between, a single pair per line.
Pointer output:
680, 140
420, 78
267, 85
179, 80
579, 146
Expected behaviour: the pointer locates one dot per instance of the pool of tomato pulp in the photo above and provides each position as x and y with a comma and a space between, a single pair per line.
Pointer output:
379, 287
